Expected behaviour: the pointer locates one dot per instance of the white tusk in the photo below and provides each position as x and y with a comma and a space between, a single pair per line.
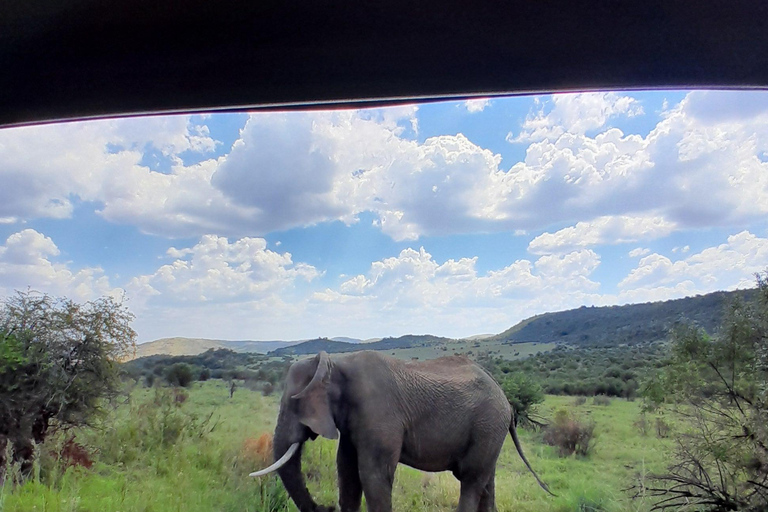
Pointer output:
280, 462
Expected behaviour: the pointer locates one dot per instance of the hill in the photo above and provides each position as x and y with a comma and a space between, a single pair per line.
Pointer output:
586, 326
336, 347
629, 324
179, 346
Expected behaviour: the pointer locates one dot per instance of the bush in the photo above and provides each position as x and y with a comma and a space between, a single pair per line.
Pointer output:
601, 400
523, 394
157, 423
180, 374
662, 428
205, 374
570, 435
580, 400
719, 387
642, 424
57, 364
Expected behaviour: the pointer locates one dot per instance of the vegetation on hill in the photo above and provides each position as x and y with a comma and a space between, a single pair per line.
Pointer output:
192, 346
630, 324
584, 371
337, 347
255, 370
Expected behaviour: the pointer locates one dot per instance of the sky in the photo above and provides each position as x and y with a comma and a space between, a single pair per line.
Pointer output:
451, 218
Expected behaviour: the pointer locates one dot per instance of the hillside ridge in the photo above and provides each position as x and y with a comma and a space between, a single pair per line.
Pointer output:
587, 325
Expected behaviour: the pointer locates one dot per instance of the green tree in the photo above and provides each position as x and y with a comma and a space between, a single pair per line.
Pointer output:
720, 386
57, 363
523, 394
179, 374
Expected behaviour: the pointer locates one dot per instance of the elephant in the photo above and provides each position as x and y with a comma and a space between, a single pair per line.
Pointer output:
445, 414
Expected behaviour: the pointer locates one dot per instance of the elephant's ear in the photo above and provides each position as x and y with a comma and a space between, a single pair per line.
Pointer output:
314, 407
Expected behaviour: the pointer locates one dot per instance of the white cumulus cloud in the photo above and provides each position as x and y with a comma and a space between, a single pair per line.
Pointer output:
28, 261
476, 105
576, 114
725, 267
603, 230
217, 270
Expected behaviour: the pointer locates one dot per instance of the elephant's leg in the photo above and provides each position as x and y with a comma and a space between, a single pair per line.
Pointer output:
350, 487
488, 498
471, 493
377, 467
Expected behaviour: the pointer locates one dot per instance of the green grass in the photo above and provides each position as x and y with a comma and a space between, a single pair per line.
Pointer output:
189, 458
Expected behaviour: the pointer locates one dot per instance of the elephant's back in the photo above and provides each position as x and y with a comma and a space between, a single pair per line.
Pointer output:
452, 368
457, 376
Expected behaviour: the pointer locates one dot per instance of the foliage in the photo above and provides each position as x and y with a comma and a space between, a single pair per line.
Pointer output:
157, 423
720, 385
584, 370
57, 362
213, 364
337, 347
179, 374
570, 435
610, 326
523, 394
601, 400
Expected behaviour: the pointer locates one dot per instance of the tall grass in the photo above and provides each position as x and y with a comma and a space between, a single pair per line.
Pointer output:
154, 453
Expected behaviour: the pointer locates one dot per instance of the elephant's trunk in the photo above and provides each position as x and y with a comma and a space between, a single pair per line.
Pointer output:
290, 474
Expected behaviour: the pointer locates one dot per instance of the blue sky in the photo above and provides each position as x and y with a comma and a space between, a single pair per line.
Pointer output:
451, 218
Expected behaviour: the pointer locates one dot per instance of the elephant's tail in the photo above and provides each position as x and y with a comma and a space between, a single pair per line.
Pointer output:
513, 432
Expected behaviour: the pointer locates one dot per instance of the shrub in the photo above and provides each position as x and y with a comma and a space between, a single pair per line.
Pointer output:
662, 428
570, 435
57, 364
580, 400
523, 394
205, 374
642, 424
601, 400
180, 374
154, 424
719, 386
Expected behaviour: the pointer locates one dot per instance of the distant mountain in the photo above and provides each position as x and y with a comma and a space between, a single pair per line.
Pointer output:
604, 326
336, 347
192, 346
615, 325
478, 337
347, 340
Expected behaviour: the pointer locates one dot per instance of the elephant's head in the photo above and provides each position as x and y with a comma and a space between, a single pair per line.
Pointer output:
305, 413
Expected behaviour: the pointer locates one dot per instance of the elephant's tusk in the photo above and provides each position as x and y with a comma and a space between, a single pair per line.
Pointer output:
279, 463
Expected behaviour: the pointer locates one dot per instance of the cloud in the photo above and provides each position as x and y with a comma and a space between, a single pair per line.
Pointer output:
725, 267
575, 114
46, 168
703, 164
412, 292
476, 105
640, 251
27, 260
215, 270
301, 169
603, 230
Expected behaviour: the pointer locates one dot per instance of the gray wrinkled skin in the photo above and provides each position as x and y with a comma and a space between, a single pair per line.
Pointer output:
438, 415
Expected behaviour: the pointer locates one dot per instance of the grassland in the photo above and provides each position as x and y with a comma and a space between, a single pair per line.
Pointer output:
473, 348
154, 453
